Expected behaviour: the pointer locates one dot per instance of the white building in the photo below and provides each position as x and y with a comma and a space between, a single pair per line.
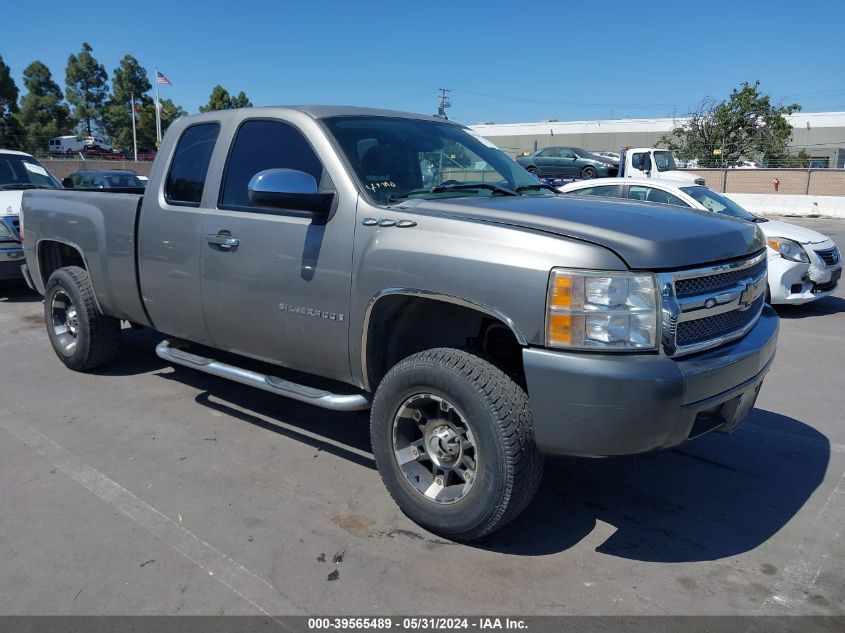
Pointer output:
820, 134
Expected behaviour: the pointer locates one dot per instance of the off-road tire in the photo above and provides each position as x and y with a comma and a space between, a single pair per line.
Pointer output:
98, 335
496, 408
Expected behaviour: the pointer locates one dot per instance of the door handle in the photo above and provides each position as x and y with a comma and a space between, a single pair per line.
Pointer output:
223, 241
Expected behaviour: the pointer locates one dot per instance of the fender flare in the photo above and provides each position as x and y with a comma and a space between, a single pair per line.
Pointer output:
435, 296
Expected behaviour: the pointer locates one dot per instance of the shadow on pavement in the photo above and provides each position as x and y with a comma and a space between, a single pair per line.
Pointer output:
828, 305
715, 497
712, 498
346, 435
17, 292
136, 354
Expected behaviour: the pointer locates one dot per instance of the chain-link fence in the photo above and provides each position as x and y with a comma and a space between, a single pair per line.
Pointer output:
814, 182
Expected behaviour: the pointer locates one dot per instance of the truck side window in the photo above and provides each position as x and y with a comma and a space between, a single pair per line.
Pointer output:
186, 178
259, 145
640, 161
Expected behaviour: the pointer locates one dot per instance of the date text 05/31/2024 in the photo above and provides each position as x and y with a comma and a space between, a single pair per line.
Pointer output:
415, 623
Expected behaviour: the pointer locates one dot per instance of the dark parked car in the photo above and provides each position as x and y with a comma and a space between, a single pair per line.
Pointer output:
112, 179
568, 162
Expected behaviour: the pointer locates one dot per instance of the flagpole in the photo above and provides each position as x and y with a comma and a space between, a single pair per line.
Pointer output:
158, 113
134, 134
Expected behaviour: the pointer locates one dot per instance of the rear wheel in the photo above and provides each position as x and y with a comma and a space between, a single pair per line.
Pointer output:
453, 439
534, 171
588, 173
82, 337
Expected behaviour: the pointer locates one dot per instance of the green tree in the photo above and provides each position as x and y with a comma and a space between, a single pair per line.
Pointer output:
147, 121
43, 114
87, 88
128, 79
10, 130
746, 126
241, 101
220, 99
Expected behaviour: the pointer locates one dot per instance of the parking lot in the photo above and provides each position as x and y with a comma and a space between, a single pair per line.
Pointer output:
149, 489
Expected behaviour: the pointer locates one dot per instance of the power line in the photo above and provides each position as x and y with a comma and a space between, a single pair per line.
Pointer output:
632, 106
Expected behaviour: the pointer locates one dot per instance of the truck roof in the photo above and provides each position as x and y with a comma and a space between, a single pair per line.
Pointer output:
325, 111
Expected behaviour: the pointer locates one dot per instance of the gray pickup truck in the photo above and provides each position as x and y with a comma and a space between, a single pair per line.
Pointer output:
374, 259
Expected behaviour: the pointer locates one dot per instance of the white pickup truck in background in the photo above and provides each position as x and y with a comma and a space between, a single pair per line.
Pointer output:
657, 164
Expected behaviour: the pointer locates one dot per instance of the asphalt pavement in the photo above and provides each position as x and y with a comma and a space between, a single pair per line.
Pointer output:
148, 489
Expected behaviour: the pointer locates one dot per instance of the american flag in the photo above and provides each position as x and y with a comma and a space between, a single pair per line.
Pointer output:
161, 79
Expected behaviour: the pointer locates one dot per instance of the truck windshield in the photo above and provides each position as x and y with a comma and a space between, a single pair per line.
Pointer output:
24, 172
665, 161
396, 158
719, 204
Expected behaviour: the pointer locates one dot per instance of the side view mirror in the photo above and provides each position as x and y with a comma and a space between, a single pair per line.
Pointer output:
67, 182
289, 189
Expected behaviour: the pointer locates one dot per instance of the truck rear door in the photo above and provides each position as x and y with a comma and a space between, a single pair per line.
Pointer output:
276, 283
170, 235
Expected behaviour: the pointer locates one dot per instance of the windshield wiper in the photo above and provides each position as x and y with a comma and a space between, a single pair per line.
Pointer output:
539, 185
758, 220
21, 185
467, 186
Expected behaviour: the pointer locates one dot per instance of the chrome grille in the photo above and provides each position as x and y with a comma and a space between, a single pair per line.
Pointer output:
707, 307
714, 283
699, 330
830, 256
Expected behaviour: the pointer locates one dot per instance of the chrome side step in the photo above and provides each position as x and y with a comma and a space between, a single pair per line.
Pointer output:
273, 384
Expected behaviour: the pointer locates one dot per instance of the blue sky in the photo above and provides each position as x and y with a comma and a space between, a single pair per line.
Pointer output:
504, 61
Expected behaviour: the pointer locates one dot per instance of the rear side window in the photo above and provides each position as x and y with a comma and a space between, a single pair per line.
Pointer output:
608, 191
186, 178
652, 194
261, 145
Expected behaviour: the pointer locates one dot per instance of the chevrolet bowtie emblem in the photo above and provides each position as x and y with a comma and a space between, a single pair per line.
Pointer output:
750, 294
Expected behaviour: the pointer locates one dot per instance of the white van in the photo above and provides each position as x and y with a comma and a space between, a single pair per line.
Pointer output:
65, 145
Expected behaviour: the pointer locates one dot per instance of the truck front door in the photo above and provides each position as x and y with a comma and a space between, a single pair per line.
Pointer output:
276, 283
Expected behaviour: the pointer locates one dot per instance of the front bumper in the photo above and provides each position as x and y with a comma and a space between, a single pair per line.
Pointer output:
11, 258
596, 405
797, 282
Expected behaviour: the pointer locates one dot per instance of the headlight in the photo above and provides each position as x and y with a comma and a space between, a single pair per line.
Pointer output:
789, 249
601, 310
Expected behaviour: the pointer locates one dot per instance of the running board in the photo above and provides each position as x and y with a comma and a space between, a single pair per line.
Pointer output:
273, 384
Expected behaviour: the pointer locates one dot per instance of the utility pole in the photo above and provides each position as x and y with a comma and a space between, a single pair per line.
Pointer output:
445, 102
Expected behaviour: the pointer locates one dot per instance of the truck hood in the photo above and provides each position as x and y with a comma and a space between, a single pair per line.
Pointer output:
645, 236
10, 202
773, 228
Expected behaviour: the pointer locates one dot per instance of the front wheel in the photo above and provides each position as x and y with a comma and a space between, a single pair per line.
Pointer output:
453, 440
82, 337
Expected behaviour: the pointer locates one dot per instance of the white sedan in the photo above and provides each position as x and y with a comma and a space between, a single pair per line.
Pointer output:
804, 265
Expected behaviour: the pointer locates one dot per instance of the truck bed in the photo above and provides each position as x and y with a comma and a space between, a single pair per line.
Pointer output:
102, 227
